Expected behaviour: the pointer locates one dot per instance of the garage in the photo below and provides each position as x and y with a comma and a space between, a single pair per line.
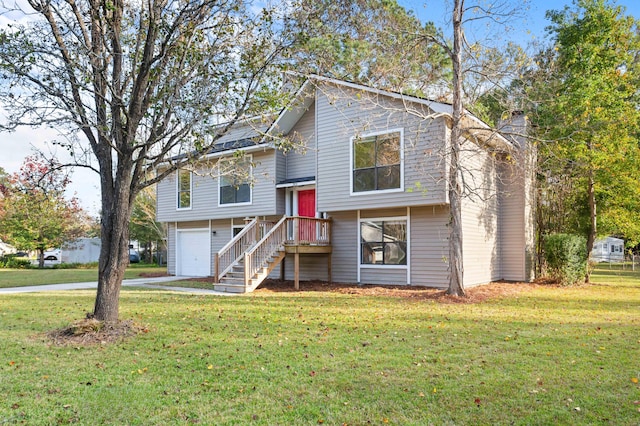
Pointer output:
193, 253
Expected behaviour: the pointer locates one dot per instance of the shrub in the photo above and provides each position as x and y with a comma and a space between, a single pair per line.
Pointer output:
13, 262
566, 257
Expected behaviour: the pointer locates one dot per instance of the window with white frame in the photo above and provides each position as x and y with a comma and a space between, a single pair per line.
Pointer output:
377, 162
383, 242
235, 181
184, 189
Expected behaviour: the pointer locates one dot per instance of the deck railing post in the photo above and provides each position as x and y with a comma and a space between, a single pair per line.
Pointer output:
216, 267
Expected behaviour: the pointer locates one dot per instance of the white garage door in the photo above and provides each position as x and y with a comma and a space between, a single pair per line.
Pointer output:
193, 253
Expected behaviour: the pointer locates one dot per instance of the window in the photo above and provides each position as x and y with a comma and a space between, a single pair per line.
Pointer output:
377, 162
383, 242
184, 189
235, 187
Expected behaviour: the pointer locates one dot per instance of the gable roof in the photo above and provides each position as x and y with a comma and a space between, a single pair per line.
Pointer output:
475, 127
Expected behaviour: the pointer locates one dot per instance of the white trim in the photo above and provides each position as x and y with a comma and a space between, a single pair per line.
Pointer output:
296, 184
208, 257
250, 202
261, 146
377, 191
175, 247
359, 247
408, 245
178, 208
377, 266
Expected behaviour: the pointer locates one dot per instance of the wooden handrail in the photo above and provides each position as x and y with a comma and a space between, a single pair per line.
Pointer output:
228, 255
256, 257
308, 231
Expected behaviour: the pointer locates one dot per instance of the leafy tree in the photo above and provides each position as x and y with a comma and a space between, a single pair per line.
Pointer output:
36, 214
586, 105
4, 190
373, 42
138, 85
143, 226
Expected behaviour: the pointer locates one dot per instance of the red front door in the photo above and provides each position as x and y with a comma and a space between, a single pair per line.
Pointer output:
307, 208
307, 203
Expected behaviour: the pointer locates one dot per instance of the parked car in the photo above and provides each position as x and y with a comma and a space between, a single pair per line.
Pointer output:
134, 256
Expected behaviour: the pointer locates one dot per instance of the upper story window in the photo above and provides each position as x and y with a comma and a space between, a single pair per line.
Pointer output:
184, 189
235, 182
377, 162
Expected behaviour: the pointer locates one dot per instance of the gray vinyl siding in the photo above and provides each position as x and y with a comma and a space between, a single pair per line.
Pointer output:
301, 162
392, 212
344, 236
312, 267
512, 221
383, 276
204, 197
342, 115
429, 247
171, 248
480, 217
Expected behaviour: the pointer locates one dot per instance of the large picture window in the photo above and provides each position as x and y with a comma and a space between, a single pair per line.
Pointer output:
184, 189
235, 186
383, 242
377, 162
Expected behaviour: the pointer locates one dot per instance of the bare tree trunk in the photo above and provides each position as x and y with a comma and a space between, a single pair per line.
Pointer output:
456, 273
114, 253
593, 224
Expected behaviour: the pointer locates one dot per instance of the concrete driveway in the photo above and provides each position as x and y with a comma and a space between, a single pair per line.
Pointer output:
136, 282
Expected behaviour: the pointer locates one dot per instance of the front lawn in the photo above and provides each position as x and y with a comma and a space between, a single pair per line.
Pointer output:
27, 277
543, 355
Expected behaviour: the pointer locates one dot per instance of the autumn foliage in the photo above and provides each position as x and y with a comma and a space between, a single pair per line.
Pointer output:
36, 214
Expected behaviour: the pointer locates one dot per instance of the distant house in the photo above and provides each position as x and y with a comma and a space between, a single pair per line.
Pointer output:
81, 250
609, 249
367, 202
6, 248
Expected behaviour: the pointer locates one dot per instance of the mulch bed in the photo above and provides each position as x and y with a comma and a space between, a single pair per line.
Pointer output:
473, 295
88, 332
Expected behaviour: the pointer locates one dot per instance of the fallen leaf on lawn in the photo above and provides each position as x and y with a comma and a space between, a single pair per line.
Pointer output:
210, 367
12, 363
477, 401
421, 394
634, 379
312, 373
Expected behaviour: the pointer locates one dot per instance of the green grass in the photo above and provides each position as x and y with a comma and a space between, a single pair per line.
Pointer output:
616, 273
27, 277
546, 356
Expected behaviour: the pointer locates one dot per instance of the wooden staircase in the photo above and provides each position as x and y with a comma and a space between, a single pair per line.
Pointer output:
234, 280
247, 260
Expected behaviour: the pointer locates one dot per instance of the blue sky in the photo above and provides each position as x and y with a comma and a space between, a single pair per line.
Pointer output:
14, 147
528, 27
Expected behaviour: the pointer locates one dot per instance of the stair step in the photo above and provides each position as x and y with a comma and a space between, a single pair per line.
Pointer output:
229, 288
232, 280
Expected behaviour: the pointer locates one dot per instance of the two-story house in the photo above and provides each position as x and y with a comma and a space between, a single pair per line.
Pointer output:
364, 201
